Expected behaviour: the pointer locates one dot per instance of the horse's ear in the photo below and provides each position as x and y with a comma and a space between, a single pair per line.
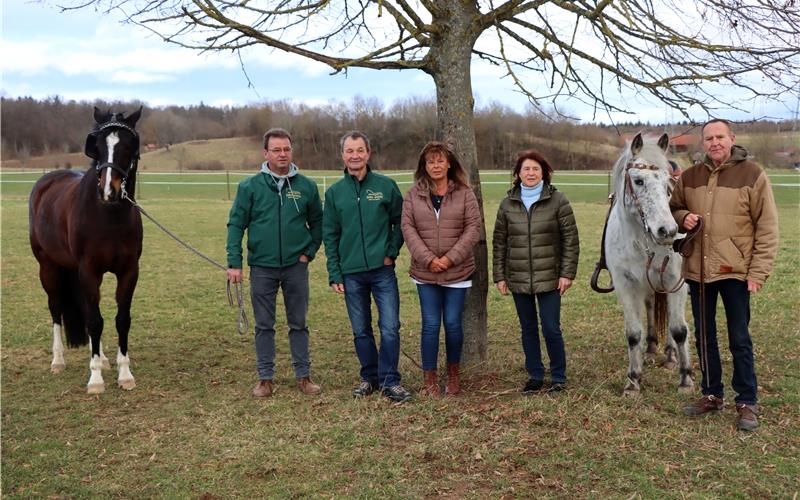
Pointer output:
100, 117
663, 142
133, 117
636, 144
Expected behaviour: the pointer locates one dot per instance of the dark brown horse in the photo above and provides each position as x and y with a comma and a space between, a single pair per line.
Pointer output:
83, 225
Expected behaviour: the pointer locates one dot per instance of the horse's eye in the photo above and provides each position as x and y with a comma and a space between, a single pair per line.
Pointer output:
639, 182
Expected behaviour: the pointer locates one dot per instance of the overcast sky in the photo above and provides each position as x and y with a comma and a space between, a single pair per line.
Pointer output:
84, 55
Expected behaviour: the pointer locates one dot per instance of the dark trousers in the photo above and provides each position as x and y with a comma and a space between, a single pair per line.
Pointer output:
264, 285
736, 300
550, 315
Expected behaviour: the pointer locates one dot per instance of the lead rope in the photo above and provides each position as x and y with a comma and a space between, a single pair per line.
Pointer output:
703, 341
242, 322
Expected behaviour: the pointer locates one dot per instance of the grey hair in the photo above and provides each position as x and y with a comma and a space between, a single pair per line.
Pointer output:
354, 134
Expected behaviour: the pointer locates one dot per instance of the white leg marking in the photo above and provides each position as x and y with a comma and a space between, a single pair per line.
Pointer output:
96, 384
58, 365
125, 379
111, 140
103, 358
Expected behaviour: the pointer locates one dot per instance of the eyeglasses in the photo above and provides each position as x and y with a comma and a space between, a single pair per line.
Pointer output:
277, 151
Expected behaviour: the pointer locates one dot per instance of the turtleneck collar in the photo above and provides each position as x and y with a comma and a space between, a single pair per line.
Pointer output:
530, 195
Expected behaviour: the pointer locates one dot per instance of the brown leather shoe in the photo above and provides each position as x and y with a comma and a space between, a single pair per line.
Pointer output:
704, 405
263, 389
747, 419
431, 383
308, 387
453, 379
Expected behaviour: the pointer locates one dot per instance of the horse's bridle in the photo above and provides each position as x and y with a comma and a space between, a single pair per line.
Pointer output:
630, 193
650, 254
91, 151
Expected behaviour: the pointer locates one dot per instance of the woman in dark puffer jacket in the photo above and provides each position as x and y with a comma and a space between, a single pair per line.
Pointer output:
441, 224
536, 251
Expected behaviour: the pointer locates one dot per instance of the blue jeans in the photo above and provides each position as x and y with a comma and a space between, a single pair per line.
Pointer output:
264, 284
376, 368
550, 315
736, 300
437, 302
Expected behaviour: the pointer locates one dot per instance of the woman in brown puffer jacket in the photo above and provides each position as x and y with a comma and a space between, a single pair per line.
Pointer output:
535, 254
441, 224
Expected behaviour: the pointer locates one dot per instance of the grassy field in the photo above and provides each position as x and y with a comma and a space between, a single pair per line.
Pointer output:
191, 429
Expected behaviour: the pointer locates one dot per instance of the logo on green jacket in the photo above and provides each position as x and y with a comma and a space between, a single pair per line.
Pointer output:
374, 195
294, 195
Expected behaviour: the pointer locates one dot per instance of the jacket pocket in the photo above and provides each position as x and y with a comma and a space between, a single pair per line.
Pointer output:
729, 258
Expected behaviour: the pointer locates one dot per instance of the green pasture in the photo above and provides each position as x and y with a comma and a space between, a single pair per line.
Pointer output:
590, 187
190, 429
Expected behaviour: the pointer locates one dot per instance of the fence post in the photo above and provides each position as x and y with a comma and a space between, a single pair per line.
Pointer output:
228, 183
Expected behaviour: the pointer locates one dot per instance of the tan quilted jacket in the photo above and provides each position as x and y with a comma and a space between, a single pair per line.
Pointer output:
740, 233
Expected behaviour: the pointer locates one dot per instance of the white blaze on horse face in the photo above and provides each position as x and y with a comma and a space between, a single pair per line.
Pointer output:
111, 141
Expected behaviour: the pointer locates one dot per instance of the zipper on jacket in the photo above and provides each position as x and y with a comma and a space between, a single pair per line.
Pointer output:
361, 220
280, 229
530, 248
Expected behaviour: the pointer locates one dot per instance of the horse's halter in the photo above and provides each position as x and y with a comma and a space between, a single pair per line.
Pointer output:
650, 254
91, 150
629, 193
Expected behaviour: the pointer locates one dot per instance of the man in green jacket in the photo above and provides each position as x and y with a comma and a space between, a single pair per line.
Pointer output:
739, 242
362, 237
282, 213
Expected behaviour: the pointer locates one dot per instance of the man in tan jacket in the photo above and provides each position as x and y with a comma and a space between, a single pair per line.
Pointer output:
739, 241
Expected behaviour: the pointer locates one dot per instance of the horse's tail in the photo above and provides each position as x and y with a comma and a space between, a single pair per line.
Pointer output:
72, 315
660, 318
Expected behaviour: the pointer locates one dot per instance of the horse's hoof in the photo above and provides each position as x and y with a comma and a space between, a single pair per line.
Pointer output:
105, 364
57, 367
669, 365
96, 388
631, 393
686, 389
127, 384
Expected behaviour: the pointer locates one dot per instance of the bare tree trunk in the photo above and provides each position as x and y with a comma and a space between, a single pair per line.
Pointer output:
450, 58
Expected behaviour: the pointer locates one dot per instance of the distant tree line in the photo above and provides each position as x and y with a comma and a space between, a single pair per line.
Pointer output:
33, 127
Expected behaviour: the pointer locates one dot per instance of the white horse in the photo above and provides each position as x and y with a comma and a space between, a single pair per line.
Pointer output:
645, 271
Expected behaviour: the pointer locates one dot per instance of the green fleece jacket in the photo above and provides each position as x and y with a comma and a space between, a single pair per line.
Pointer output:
361, 224
281, 225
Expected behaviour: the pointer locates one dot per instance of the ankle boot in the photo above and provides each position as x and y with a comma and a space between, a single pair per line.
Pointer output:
453, 381
431, 383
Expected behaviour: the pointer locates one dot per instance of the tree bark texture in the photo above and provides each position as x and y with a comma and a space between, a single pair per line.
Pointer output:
449, 65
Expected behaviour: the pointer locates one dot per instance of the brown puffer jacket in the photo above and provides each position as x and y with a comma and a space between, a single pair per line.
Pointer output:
533, 249
453, 234
740, 231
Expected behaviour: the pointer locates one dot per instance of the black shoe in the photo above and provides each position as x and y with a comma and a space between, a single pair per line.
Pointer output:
396, 393
364, 389
532, 386
557, 387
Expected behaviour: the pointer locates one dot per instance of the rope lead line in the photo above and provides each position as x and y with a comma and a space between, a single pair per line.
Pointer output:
242, 323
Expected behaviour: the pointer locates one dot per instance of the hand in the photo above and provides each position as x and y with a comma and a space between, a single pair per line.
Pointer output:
445, 262
752, 286
388, 261
690, 221
436, 266
337, 287
235, 275
502, 286
303, 258
563, 284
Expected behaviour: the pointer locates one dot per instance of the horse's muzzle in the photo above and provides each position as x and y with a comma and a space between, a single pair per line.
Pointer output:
666, 234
